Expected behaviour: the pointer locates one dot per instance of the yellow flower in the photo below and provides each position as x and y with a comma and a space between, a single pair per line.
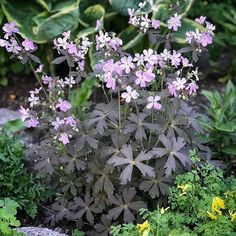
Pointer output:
217, 204
184, 188
163, 210
211, 215
144, 228
232, 215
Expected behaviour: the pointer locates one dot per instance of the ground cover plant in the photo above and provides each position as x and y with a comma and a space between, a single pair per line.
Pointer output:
202, 202
15, 181
107, 160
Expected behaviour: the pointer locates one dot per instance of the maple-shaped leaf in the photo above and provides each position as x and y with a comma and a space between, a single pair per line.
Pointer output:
60, 209
86, 135
101, 174
70, 183
125, 205
138, 126
158, 185
87, 207
117, 142
48, 159
74, 159
100, 115
128, 160
103, 227
173, 148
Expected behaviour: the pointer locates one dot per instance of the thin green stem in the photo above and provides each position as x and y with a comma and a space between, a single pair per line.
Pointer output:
119, 111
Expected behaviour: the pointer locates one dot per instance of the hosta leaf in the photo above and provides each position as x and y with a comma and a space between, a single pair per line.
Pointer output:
93, 13
122, 6
38, 25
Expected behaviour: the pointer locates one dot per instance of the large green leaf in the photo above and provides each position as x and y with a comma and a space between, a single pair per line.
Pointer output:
231, 150
92, 13
81, 95
122, 6
40, 25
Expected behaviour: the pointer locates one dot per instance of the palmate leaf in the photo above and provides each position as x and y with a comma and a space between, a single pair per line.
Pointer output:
127, 159
174, 150
126, 205
138, 126
158, 185
87, 207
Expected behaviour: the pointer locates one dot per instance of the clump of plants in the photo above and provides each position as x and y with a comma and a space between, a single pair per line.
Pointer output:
220, 124
107, 160
15, 181
202, 202
8, 210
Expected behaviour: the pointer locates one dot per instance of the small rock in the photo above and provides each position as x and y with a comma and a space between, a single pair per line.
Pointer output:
36, 231
8, 115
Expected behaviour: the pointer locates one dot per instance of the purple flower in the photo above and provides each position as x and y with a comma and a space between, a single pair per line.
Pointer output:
153, 102
32, 122
28, 45
39, 69
192, 88
144, 77
175, 58
189, 36
47, 80
13, 47
172, 89
98, 24
66, 34
110, 82
130, 94
127, 64
185, 62
57, 123
63, 137
70, 121
200, 20
149, 56
155, 24
34, 100
205, 39
166, 55
10, 29
71, 48
179, 83
174, 22
24, 113
115, 43
63, 105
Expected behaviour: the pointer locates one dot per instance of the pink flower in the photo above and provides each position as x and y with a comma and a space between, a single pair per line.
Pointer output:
32, 122
47, 80
189, 36
110, 82
10, 29
179, 83
144, 77
71, 48
185, 62
39, 69
127, 64
172, 89
174, 22
155, 24
205, 39
24, 113
153, 102
64, 138
192, 88
63, 105
13, 47
200, 20
166, 55
28, 45
149, 56
130, 94
66, 34
175, 58
57, 123
70, 121
98, 24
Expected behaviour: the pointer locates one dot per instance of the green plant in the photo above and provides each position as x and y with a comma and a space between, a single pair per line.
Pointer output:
202, 202
8, 210
15, 182
220, 122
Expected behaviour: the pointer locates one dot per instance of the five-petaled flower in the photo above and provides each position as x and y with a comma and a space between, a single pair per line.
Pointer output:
63, 105
174, 22
153, 102
64, 138
130, 94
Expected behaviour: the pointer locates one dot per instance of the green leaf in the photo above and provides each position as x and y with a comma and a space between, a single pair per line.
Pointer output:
86, 32
122, 6
45, 25
92, 13
225, 127
13, 126
187, 25
80, 96
231, 150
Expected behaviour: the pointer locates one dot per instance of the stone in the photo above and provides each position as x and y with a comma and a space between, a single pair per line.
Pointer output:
37, 231
8, 115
